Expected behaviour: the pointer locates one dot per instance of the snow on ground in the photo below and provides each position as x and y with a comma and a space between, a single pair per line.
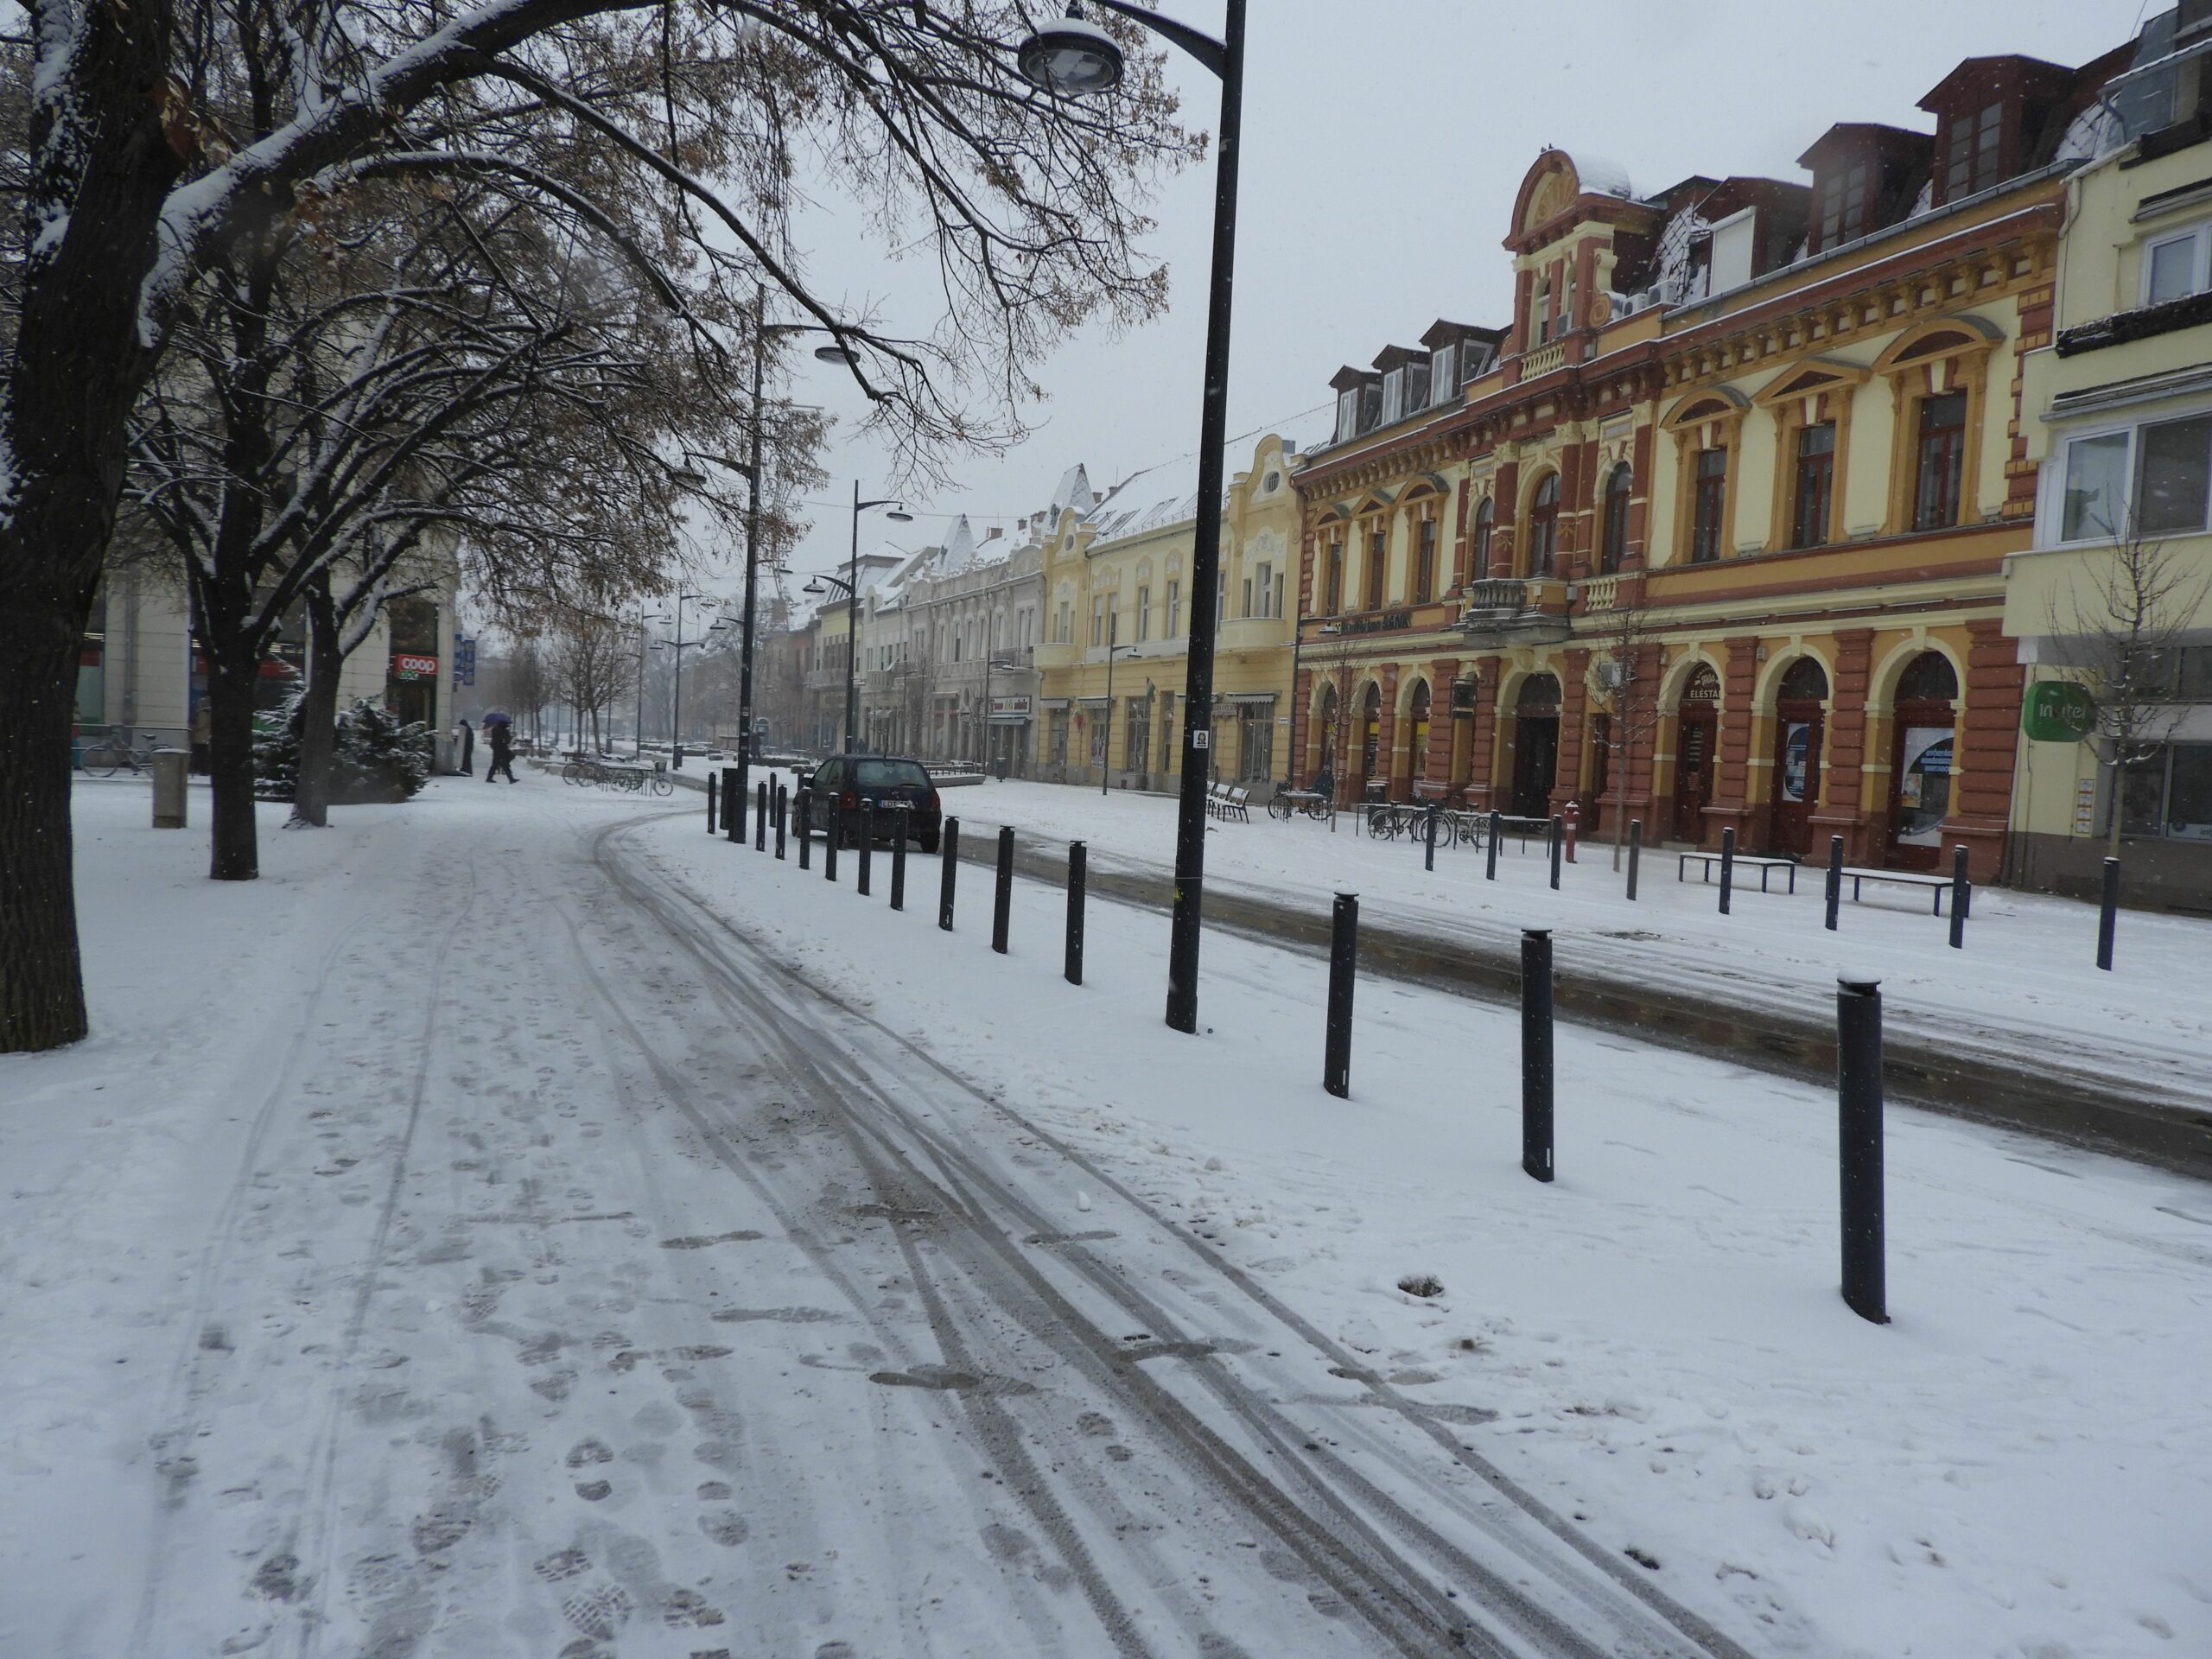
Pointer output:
2026, 980
485, 1235
2016, 1466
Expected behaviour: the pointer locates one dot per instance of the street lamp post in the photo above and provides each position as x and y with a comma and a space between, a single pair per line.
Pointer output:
1114, 646
1071, 58
898, 514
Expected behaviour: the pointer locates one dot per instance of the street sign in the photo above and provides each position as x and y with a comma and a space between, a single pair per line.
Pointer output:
464, 660
2058, 711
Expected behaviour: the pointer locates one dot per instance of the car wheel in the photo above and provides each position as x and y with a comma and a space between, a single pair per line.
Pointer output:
929, 842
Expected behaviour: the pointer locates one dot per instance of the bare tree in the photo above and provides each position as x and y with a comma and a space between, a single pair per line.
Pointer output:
591, 664
162, 142
1625, 656
2122, 632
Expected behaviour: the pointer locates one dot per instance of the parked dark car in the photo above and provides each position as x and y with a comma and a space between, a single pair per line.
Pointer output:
898, 790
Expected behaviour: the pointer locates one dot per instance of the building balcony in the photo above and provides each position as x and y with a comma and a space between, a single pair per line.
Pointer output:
1544, 359
1252, 633
1506, 611
1057, 656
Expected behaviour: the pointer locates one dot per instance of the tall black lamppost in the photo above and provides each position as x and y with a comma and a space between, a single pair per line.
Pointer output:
1072, 57
851, 584
1114, 646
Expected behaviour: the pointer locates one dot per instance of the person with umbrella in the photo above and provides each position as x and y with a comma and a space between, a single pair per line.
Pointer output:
500, 727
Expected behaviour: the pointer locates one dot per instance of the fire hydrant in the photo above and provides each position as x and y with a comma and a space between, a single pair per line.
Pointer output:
1574, 818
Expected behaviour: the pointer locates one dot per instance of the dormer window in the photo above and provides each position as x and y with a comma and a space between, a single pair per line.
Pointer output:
1972, 151
1347, 414
1394, 396
1443, 374
1843, 204
1416, 376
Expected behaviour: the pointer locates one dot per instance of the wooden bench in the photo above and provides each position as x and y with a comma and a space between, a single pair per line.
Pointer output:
1939, 884
1229, 801
1765, 867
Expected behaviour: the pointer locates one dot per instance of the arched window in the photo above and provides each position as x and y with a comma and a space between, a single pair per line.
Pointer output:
1543, 526
1928, 677
1485, 522
1417, 739
1618, 484
1804, 681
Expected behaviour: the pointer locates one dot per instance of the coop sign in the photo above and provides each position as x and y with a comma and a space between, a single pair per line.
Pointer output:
2058, 711
409, 665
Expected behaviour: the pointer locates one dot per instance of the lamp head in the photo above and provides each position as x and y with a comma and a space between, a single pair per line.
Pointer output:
1070, 57
899, 516
832, 354
689, 477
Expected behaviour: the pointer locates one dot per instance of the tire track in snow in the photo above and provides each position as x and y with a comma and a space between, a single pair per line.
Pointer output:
1380, 1582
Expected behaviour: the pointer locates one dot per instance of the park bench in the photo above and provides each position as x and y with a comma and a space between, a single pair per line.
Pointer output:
1939, 885
1229, 801
1765, 867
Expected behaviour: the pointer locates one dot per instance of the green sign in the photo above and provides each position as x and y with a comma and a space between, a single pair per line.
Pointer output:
2058, 711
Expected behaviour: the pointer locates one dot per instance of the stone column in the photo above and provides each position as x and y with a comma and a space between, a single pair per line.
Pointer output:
1989, 736
1730, 806
1843, 809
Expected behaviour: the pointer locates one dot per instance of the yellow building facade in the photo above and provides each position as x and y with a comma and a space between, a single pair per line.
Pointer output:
2115, 597
1711, 535
1116, 596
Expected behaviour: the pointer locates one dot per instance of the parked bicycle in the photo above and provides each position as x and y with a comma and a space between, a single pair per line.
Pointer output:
105, 756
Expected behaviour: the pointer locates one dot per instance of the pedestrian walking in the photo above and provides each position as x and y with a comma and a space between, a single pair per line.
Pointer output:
503, 753
468, 749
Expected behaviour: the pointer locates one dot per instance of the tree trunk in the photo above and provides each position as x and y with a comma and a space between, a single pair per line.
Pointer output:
41, 982
318, 708
235, 851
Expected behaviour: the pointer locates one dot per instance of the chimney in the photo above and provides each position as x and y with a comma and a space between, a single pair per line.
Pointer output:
992, 534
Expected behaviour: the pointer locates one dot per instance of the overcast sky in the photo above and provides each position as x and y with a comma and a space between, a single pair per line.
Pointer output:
1384, 142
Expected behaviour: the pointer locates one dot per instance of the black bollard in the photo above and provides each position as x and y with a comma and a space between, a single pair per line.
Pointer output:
733, 806
1835, 878
1002, 898
803, 809
899, 869
1079, 865
1635, 854
1961, 897
867, 845
783, 815
1344, 961
2108, 914
1558, 836
716, 788
1537, 1051
1490, 867
1428, 853
833, 832
951, 847
1727, 867
760, 820
1858, 1138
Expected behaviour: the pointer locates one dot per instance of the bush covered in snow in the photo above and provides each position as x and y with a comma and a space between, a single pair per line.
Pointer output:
375, 756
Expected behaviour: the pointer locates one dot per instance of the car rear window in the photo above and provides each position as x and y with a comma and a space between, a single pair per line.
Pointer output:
879, 774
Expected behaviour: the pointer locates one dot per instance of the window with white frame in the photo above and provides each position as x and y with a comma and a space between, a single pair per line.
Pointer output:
1443, 374
1394, 395
1098, 619
1174, 608
1144, 614
2154, 479
1263, 587
2176, 266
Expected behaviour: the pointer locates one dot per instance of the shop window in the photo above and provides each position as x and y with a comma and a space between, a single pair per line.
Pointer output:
1256, 741
1543, 526
1137, 742
2168, 796
1424, 560
2174, 267
1815, 485
1708, 500
1943, 454
1619, 484
1060, 737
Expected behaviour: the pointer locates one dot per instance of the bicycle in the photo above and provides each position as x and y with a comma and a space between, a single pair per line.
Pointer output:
104, 756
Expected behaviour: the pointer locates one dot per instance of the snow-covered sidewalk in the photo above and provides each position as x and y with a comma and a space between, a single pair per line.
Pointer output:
520, 1225
2025, 983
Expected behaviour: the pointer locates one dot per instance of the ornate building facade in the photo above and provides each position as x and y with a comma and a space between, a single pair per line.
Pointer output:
1711, 533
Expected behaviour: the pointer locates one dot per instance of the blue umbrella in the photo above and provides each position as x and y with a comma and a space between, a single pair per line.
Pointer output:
496, 717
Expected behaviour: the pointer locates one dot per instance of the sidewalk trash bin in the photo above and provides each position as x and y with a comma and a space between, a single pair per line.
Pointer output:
169, 771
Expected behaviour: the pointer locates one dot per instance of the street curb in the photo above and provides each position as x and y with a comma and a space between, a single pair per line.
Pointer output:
2072, 1109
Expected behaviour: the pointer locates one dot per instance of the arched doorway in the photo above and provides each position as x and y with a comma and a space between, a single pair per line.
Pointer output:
1535, 746
1417, 734
1697, 724
1799, 724
1371, 737
1920, 762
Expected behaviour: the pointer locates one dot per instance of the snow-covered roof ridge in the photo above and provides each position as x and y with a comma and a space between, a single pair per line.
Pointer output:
1601, 175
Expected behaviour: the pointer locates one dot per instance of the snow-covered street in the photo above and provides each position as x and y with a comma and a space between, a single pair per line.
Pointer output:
521, 1224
